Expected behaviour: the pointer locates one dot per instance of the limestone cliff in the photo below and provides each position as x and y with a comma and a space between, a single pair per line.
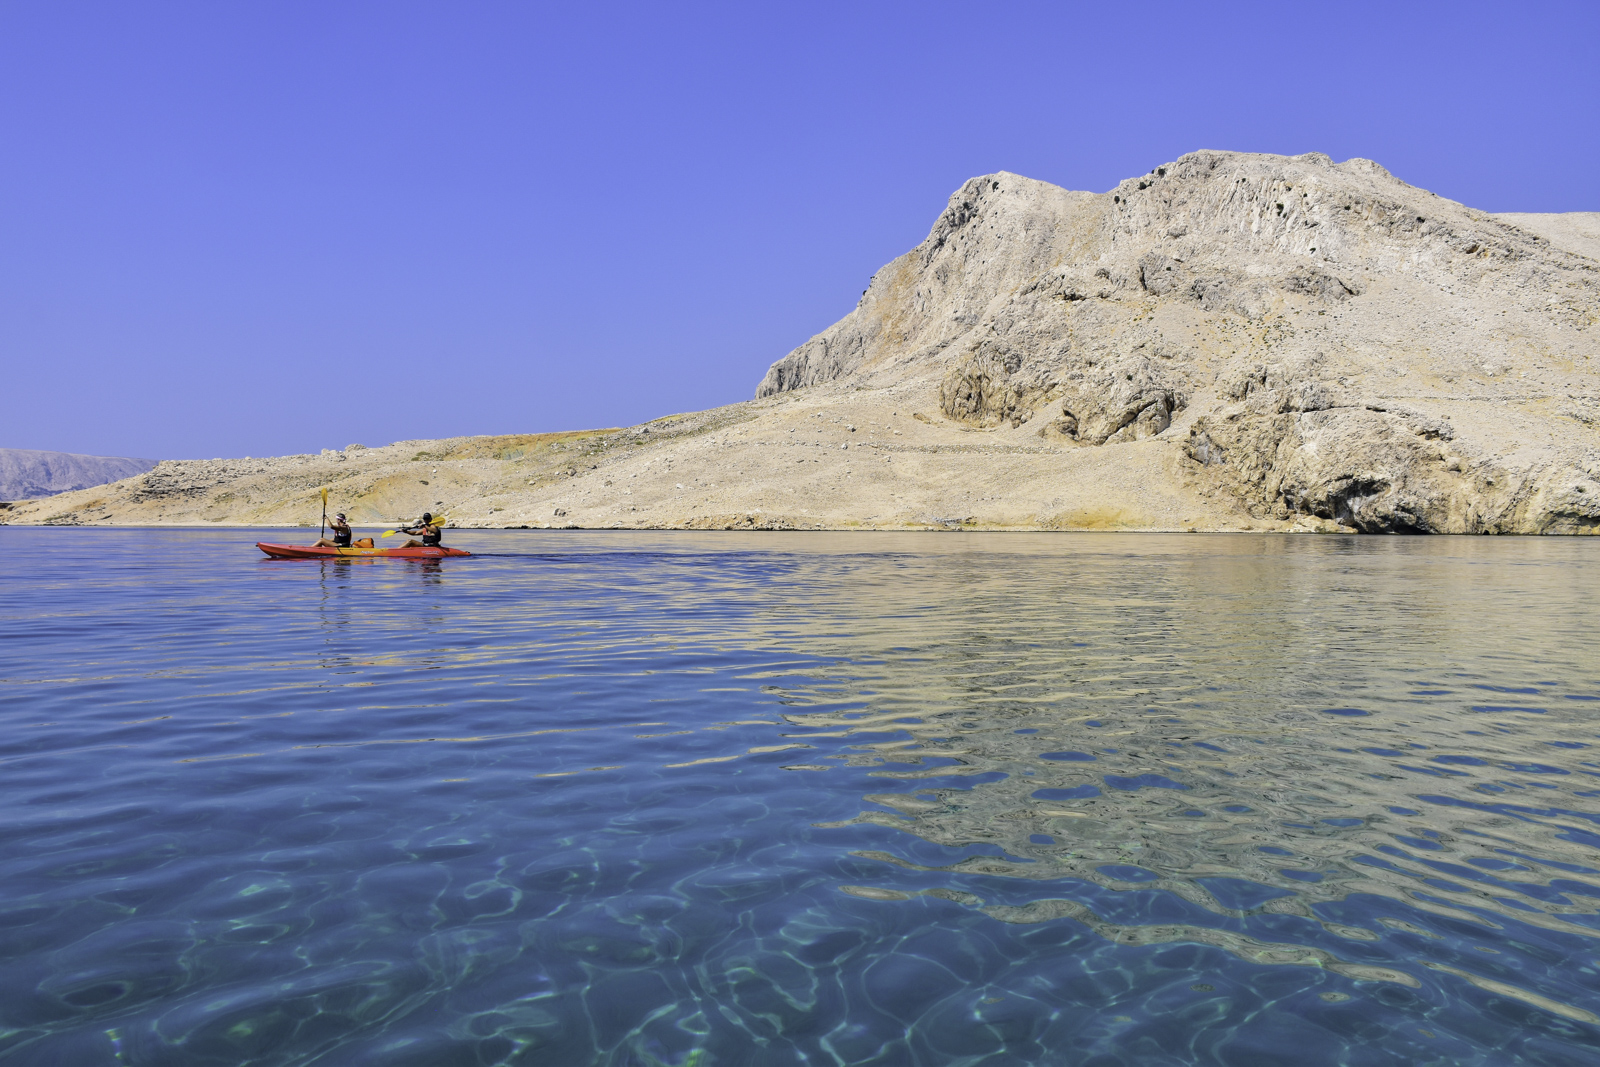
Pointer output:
1318, 339
1231, 341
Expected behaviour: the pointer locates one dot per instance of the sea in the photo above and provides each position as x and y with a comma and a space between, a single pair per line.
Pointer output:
705, 798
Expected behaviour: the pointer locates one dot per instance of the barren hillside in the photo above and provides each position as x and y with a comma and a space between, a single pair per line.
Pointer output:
1229, 341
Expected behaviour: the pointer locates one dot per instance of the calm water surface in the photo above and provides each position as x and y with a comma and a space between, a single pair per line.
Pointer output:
800, 799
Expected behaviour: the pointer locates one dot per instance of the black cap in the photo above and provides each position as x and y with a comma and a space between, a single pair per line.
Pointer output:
427, 516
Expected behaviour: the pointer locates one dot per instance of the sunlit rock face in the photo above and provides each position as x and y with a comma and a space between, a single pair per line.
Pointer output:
1315, 339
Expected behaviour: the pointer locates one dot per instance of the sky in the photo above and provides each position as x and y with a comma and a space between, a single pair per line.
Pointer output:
233, 229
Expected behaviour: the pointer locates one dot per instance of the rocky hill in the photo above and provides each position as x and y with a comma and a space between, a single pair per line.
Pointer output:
1317, 339
1230, 341
26, 473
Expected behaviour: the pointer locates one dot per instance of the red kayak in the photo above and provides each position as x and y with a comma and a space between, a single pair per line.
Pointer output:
307, 552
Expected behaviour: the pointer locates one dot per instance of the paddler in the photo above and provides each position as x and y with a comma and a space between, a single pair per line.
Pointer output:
427, 529
341, 534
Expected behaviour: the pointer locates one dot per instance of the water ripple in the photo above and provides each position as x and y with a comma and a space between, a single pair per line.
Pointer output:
849, 799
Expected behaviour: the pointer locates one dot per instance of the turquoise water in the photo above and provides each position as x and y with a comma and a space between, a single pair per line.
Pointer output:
800, 799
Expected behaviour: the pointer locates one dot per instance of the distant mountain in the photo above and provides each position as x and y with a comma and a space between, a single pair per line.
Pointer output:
26, 473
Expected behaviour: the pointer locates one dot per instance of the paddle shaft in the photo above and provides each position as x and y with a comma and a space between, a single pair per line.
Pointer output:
438, 520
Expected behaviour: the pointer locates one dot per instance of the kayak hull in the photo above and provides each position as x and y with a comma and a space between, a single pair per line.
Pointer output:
307, 552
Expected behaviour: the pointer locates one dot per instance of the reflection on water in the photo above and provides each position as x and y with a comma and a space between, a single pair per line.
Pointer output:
801, 799
1266, 730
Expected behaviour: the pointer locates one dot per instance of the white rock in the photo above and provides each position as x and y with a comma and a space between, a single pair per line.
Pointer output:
1239, 309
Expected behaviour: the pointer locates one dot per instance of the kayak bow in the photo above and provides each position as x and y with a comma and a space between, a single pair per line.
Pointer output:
307, 552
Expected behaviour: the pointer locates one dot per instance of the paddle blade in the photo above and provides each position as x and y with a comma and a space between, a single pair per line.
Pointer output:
324, 496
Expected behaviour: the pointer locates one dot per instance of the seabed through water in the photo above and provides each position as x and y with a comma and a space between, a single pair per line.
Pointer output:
800, 799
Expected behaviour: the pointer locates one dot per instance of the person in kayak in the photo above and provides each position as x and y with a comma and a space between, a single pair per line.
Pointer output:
429, 532
341, 534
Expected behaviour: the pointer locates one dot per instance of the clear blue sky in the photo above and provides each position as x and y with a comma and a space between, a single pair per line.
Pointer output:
233, 228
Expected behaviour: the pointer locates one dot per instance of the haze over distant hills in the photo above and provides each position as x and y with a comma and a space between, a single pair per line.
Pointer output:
1230, 341
26, 473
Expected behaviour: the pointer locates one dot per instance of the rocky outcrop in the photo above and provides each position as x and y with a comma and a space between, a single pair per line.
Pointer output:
1127, 398
1292, 444
997, 232
26, 473
1325, 328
